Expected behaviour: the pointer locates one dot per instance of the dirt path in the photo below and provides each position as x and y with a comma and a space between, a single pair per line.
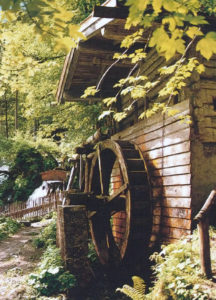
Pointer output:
18, 258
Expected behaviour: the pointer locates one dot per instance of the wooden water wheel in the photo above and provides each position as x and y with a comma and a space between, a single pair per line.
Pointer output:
121, 226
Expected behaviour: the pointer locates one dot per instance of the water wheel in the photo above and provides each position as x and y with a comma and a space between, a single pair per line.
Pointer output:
121, 226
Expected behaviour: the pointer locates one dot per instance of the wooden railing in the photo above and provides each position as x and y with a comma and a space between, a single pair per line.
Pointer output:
39, 207
203, 228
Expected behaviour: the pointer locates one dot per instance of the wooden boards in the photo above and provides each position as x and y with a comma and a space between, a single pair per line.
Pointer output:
165, 145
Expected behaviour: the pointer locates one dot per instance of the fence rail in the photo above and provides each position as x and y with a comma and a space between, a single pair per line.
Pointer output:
38, 208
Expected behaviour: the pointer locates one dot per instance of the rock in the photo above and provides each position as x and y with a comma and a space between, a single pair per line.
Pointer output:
16, 293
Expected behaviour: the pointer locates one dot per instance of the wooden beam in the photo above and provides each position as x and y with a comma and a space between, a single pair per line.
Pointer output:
118, 33
105, 62
68, 97
72, 68
111, 12
97, 47
66, 73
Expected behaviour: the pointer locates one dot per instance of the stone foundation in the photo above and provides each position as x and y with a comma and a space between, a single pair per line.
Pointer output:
72, 238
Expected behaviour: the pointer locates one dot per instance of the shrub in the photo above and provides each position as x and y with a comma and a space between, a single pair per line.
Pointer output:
47, 236
50, 277
92, 255
177, 273
8, 226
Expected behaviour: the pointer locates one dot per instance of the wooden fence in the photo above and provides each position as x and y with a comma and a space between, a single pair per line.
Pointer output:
39, 207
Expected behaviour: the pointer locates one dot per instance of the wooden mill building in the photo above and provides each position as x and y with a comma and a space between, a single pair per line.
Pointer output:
180, 157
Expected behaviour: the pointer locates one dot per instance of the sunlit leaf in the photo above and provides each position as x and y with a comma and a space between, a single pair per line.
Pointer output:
194, 31
207, 45
109, 101
90, 91
120, 116
65, 43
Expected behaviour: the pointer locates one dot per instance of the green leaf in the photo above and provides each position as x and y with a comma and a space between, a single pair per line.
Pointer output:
200, 68
196, 20
207, 45
120, 116
109, 101
193, 31
170, 5
157, 4
90, 91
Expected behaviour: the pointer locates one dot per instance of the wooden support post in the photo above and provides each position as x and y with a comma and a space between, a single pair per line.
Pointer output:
72, 230
81, 172
87, 170
205, 257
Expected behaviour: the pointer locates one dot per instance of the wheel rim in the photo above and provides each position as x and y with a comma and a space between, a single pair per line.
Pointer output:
115, 242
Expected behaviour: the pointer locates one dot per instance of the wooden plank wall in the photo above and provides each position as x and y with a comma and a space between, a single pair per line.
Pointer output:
165, 144
205, 103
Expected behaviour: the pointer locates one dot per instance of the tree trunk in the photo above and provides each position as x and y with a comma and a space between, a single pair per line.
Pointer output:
6, 117
36, 126
16, 110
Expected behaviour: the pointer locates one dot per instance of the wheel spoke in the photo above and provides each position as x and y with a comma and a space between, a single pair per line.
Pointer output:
100, 169
118, 204
122, 189
114, 253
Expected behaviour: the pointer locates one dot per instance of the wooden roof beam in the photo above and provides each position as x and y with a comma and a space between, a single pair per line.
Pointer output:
116, 34
106, 62
70, 98
111, 12
97, 47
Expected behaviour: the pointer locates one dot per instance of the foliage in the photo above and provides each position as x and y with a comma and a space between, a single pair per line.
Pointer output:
47, 236
92, 255
174, 28
34, 37
8, 226
177, 271
137, 292
82, 8
24, 175
50, 277
49, 18
9, 147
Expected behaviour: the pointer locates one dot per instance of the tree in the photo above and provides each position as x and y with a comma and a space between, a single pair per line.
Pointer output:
30, 69
24, 175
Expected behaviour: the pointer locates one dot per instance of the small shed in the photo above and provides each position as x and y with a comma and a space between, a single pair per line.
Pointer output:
180, 157
54, 175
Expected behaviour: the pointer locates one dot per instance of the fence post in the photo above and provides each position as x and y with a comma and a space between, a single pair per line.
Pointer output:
55, 201
203, 228
205, 256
